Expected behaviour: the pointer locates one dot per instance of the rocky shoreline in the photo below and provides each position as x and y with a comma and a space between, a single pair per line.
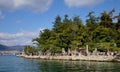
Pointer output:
82, 55
75, 58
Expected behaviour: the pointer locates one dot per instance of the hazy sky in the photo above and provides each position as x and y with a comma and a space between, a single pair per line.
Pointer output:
21, 20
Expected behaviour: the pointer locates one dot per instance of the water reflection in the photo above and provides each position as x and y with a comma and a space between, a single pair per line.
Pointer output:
77, 66
16, 64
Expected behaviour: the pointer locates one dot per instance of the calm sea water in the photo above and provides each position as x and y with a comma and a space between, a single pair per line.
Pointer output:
16, 64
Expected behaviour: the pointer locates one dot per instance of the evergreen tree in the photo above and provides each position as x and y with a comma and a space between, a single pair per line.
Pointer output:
72, 33
106, 19
91, 24
118, 22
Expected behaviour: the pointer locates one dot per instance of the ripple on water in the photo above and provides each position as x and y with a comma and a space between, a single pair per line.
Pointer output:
17, 64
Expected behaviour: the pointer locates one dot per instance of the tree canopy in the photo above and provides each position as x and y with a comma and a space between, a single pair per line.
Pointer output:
71, 33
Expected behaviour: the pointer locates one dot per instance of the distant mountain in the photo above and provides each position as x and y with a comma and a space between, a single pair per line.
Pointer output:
17, 47
3, 47
7, 48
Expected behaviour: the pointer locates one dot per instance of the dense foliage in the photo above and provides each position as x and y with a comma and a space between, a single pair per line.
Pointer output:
100, 32
28, 50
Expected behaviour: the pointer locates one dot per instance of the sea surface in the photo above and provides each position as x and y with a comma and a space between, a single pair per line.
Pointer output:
17, 64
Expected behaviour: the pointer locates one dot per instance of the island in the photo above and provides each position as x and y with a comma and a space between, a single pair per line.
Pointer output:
97, 39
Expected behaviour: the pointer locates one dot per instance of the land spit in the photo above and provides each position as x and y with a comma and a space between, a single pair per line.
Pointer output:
101, 58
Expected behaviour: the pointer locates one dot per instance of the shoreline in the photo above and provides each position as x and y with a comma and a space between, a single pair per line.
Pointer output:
75, 58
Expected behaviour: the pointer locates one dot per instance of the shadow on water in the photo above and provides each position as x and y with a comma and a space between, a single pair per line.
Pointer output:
16, 64
77, 66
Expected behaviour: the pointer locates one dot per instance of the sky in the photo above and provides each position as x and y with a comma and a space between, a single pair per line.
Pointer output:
22, 20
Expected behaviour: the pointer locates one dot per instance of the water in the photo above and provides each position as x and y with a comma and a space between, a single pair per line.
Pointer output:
17, 64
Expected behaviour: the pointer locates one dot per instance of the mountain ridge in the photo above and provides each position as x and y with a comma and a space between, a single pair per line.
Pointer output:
8, 48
